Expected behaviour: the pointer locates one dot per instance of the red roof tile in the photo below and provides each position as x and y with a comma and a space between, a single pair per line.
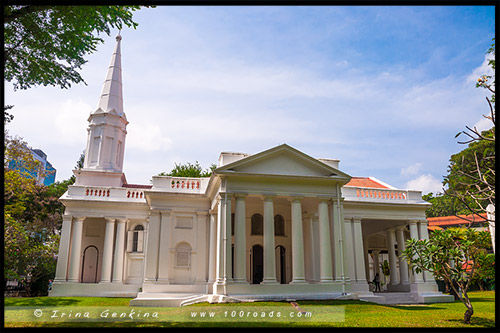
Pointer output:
454, 220
364, 182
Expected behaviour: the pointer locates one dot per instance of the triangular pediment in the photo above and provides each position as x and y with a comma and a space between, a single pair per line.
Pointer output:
282, 160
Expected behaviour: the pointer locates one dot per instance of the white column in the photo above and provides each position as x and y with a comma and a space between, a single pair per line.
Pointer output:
424, 234
229, 241
76, 250
220, 249
298, 273
403, 264
63, 254
414, 234
269, 251
367, 262
164, 255
490, 211
119, 250
392, 256
309, 250
359, 251
325, 253
107, 253
151, 255
337, 230
212, 252
240, 263
349, 253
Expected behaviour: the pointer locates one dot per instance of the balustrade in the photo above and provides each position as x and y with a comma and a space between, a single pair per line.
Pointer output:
376, 194
185, 183
114, 193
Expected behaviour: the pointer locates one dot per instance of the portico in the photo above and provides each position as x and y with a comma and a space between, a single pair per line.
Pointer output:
275, 212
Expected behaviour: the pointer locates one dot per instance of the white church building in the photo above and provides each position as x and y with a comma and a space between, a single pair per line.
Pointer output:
275, 225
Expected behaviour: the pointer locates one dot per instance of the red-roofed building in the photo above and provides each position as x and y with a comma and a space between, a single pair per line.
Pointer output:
477, 222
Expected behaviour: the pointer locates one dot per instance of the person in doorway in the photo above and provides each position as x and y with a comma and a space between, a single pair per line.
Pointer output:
376, 282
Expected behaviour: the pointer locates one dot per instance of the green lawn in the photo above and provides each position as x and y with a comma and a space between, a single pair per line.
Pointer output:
99, 312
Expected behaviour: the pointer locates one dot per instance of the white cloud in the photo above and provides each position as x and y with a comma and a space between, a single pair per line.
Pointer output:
147, 137
425, 183
70, 122
484, 69
411, 170
483, 124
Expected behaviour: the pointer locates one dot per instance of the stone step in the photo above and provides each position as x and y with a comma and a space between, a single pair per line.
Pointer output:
396, 298
167, 300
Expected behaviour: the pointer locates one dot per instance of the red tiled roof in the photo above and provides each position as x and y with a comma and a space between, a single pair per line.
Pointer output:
364, 182
137, 186
434, 227
454, 220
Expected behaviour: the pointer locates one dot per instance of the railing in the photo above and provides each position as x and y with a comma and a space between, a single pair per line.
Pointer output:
180, 184
377, 195
185, 183
380, 194
110, 193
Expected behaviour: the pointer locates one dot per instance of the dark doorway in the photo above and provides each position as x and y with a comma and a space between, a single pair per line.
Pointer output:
89, 264
280, 264
257, 264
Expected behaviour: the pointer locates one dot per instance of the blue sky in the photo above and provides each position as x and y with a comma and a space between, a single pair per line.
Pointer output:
383, 89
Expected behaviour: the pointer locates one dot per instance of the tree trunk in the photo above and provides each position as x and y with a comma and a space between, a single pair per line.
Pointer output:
468, 314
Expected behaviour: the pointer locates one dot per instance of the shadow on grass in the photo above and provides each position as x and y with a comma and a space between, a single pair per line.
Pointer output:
413, 307
40, 301
481, 299
332, 302
476, 321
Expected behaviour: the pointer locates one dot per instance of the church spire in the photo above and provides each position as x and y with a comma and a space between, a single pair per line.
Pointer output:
107, 125
111, 94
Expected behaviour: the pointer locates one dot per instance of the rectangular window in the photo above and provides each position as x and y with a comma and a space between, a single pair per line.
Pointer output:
108, 146
95, 150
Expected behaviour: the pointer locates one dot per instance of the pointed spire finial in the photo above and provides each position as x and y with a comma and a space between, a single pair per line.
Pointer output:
111, 94
119, 36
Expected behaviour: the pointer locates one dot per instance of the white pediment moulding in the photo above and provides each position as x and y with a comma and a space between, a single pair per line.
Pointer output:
281, 160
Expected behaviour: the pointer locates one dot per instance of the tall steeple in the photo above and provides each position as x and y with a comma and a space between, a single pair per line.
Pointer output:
107, 124
111, 94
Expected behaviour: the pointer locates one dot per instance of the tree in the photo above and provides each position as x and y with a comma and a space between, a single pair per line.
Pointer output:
485, 270
452, 255
189, 170
385, 270
46, 45
32, 218
444, 205
471, 173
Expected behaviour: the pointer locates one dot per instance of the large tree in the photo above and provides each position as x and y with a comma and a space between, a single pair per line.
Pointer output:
444, 205
471, 173
46, 45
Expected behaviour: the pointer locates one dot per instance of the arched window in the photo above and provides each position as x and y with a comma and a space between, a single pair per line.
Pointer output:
183, 255
257, 224
279, 225
136, 239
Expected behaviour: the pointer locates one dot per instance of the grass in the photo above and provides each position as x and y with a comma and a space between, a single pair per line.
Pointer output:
19, 313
